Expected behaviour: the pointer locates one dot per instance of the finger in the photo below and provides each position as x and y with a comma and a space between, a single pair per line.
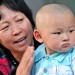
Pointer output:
27, 56
27, 70
29, 66
26, 61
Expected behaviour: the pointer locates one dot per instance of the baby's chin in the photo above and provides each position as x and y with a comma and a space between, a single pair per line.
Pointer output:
65, 50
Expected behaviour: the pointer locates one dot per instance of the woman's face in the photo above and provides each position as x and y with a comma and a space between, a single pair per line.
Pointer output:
16, 32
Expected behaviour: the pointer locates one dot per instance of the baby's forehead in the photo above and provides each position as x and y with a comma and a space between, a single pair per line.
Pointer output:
52, 11
53, 8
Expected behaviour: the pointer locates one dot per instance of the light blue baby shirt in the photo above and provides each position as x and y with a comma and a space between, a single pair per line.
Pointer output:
55, 64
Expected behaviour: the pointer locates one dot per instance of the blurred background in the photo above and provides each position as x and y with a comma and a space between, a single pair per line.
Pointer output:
36, 4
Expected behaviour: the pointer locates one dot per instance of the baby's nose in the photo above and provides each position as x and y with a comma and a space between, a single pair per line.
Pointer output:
65, 37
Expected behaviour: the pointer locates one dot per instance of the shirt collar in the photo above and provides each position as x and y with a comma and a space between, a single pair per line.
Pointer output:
41, 53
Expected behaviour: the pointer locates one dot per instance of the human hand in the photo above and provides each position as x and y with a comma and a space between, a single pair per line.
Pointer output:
25, 65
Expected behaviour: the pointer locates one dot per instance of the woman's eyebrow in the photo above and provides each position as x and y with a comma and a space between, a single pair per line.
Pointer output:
1, 15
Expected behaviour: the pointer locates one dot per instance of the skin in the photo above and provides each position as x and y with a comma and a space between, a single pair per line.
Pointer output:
16, 34
25, 65
55, 28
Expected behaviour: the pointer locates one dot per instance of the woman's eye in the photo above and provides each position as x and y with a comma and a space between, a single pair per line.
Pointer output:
19, 20
6, 27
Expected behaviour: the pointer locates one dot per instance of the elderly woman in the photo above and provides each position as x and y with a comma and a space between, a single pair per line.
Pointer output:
16, 35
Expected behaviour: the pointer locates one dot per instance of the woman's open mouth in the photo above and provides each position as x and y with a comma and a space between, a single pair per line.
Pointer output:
21, 41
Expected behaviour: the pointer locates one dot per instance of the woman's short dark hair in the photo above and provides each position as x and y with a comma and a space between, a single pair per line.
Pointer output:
19, 5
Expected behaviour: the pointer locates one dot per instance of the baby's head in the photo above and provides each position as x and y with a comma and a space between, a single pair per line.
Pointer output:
55, 26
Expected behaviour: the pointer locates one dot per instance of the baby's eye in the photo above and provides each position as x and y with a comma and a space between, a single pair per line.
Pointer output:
71, 31
57, 33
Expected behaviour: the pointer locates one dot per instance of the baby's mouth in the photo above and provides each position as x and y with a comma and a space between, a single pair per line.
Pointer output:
66, 45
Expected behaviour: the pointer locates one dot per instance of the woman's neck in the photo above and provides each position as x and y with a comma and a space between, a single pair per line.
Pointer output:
18, 56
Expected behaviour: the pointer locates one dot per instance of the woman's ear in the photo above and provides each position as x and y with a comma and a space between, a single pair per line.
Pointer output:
37, 36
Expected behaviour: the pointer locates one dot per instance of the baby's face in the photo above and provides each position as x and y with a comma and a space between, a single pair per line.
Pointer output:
58, 33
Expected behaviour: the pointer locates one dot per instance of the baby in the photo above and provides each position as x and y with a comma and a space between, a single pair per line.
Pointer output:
55, 29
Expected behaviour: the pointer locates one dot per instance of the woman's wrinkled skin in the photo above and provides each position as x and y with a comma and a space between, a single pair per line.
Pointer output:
16, 34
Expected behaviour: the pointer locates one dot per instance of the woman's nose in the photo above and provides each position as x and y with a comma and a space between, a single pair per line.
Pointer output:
16, 29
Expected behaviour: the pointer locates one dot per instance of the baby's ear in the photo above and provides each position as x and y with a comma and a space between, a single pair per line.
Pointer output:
37, 36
